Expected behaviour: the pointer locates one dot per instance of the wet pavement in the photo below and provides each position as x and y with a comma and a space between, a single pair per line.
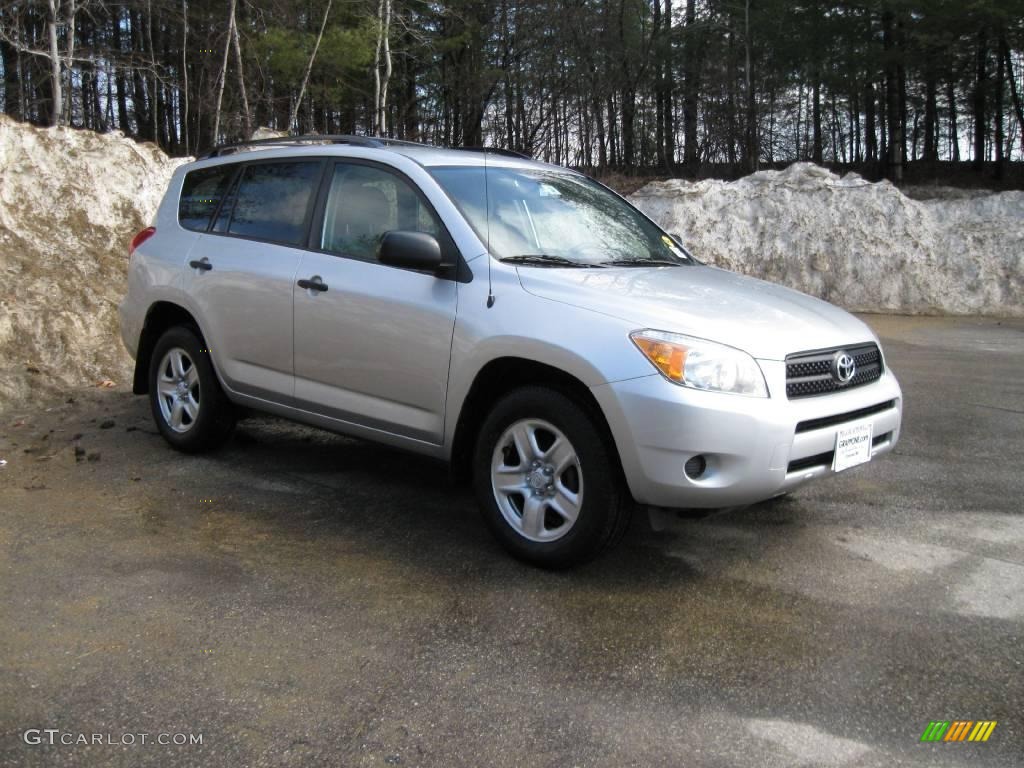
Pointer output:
302, 599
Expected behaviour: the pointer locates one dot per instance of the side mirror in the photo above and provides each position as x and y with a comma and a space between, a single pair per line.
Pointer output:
411, 250
678, 238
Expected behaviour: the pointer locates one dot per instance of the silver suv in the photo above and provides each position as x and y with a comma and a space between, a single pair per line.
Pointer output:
513, 318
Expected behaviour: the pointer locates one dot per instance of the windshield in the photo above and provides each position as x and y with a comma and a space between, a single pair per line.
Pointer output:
550, 218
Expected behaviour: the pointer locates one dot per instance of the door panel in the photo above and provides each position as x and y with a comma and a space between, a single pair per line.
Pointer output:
245, 306
242, 279
374, 348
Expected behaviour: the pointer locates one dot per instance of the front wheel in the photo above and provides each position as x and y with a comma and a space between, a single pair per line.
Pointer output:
547, 480
188, 404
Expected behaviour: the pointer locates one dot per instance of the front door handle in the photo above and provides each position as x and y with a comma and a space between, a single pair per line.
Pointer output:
203, 264
314, 284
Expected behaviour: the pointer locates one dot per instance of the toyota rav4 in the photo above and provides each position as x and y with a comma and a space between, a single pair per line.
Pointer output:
513, 318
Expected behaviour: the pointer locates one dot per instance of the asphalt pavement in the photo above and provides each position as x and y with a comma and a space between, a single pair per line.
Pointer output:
302, 599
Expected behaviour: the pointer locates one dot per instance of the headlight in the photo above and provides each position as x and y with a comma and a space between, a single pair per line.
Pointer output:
701, 364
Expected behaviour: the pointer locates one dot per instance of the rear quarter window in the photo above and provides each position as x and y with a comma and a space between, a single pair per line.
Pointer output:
201, 193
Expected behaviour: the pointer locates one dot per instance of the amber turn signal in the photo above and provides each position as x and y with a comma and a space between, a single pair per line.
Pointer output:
669, 358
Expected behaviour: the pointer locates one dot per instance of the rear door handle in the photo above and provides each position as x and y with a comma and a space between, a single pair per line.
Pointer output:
313, 284
202, 264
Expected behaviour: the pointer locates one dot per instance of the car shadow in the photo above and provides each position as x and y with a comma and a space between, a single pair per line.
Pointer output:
406, 506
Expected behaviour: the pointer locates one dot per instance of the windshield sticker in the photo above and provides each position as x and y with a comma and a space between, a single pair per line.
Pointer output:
671, 245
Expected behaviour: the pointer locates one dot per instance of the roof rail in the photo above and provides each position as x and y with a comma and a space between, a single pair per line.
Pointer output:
496, 151
309, 138
356, 141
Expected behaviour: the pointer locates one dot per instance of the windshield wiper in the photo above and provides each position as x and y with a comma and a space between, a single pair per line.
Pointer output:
642, 263
545, 260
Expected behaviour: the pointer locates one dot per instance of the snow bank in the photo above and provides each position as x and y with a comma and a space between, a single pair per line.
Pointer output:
70, 201
864, 246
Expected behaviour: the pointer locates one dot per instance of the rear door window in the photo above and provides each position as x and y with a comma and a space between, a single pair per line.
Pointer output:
273, 201
201, 193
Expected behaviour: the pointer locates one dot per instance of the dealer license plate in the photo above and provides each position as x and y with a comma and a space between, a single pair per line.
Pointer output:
853, 447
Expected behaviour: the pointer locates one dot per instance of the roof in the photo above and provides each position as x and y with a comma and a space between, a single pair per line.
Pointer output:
424, 154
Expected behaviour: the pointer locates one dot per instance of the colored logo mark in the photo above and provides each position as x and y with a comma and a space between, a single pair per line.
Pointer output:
958, 730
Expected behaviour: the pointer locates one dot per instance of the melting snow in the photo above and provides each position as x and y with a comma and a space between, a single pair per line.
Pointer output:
69, 203
864, 246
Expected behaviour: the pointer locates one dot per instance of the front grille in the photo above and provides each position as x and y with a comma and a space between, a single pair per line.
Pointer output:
810, 373
825, 459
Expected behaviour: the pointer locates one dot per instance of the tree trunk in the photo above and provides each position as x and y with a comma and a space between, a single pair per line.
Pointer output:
69, 23
657, 41
691, 62
184, 74
628, 126
954, 138
12, 82
411, 131
384, 39
856, 155
602, 146
1014, 94
980, 88
154, 91
870, 135
751, 149
140, 103
893, 118
309, 66
56, 89
123, 119
931, 118
799, 117
223, 75
901, 80
818, 155
613, 139
997, 107
246, 122
669, 88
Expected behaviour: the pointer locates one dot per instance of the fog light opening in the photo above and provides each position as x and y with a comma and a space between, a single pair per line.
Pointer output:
696, 467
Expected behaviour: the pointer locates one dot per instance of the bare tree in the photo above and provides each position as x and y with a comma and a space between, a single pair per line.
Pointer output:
223, 74
246, 128
380, 84
309, 67
184, 70
55, 73
752, 150
69, 23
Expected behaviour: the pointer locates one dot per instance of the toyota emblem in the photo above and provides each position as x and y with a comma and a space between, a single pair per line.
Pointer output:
843, 367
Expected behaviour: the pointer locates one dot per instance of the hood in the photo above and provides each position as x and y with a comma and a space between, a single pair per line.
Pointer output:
765, 320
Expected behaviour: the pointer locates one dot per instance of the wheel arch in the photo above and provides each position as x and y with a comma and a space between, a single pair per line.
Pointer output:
503, 375
160, 316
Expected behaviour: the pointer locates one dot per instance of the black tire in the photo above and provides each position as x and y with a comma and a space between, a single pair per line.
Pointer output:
606, 505
215, 418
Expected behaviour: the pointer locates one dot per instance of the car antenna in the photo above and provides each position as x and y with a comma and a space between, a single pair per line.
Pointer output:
487, 204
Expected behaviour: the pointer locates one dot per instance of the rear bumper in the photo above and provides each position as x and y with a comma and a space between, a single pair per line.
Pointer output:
755, 448
131, 326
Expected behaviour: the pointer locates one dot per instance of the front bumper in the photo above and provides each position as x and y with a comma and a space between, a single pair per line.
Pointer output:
752, 446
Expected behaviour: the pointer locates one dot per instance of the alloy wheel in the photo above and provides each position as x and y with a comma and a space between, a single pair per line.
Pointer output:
537, 481
178, 390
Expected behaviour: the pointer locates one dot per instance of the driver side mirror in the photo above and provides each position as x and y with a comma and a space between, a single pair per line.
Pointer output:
411, 250
677, 237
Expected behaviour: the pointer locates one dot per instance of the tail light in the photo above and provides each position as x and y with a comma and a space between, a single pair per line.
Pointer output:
140, 238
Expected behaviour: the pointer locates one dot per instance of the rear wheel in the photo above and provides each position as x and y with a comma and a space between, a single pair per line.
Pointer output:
188, 404
547, 481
